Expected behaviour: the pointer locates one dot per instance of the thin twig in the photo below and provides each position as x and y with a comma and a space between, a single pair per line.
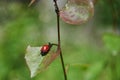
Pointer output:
59, 42
32, 1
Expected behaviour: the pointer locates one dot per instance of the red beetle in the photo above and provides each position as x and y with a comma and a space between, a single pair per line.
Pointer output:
45, 49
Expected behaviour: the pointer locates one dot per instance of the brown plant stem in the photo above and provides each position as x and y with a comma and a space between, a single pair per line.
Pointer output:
59, 42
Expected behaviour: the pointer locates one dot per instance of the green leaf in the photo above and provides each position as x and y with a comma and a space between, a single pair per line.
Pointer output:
33, 59
36, 62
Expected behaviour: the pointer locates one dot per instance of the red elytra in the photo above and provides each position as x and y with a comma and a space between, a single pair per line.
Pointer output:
45, 49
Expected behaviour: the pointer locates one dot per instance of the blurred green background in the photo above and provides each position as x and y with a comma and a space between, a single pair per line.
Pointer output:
91, 51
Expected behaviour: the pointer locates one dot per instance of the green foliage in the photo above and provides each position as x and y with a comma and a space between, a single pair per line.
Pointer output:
94, 71
22, 26
112, 42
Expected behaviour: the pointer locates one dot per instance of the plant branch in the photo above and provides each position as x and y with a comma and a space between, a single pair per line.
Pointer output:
59, 42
